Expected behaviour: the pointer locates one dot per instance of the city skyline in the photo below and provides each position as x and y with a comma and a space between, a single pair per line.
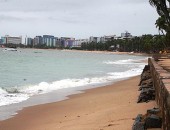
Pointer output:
53, 41
79, 19
45, 39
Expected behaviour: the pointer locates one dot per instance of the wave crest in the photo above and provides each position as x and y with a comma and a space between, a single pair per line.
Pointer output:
121, 62
14, 95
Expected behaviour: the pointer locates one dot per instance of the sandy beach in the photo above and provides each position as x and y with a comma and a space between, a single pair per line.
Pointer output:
111, 107
108, 52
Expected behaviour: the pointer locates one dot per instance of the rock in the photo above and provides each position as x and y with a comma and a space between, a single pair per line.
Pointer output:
146, 80
145, 76
145, 87
149, 91
153, 121
143, 98
146, 95
147, 67
138, 124
155, 111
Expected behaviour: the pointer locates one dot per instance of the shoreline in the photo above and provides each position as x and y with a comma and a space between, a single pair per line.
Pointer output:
86, 51
10, 111
93, 109
110, 52
37, 101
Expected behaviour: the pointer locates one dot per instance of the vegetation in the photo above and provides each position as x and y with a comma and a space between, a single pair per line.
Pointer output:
145, 43
163, 22
10, 45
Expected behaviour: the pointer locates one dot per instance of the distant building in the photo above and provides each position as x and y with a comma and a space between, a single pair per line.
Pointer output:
118, 37
78, 42
67, 41
12, 40
40, 39
28, 41
58, 42
94, 39
126, 35
35, 41
49, 40
1, 42
104, 39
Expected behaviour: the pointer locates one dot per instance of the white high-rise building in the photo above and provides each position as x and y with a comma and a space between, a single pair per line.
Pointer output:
93, 39
126, 35
78, 42
104, 39
13, 40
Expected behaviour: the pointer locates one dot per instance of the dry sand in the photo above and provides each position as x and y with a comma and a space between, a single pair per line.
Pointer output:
112, 107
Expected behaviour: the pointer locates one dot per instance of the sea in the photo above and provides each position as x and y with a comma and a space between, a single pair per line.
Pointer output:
33, 76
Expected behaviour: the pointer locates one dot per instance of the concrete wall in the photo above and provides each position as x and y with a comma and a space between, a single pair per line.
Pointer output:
161, 81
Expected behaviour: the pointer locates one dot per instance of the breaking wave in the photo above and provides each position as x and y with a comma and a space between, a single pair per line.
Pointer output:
121, 62
16, 95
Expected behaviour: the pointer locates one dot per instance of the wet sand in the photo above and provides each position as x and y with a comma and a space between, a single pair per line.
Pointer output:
109, 52
111, 107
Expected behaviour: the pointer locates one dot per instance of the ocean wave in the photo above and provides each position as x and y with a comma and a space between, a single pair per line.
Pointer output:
7, 98
3, 91
126, 74
45, 87
16, 95
128, 61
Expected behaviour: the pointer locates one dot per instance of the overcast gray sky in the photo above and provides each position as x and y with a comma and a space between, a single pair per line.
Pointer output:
76, 18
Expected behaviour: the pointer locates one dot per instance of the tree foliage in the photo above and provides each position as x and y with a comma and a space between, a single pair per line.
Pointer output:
163, 22
145, 43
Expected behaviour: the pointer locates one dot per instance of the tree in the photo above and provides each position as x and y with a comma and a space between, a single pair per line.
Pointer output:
163, 10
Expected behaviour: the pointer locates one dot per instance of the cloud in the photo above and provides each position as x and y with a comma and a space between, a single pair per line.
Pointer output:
60, 5
78, 18
9, 18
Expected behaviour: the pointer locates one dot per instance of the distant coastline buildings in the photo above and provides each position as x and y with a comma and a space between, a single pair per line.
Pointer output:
11, 40
126, 35
51, 41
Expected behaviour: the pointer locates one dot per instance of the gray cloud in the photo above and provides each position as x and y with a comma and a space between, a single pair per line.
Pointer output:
9, 18
46, 5
77, 18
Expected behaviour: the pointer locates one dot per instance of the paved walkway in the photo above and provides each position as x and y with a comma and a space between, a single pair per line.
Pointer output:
164, 62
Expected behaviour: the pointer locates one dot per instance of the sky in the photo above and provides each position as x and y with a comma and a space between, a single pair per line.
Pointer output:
76, 18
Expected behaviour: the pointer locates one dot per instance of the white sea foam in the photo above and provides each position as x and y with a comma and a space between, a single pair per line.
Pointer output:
23, 93
126, 74
2, 91
16, 95
45, 87
6, 99
128, 61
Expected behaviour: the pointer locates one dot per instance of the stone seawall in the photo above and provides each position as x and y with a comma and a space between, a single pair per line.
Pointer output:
161, 82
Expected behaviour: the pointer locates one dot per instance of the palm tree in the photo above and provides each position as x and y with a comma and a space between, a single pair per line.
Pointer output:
162, 7
160, 24
163, 10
